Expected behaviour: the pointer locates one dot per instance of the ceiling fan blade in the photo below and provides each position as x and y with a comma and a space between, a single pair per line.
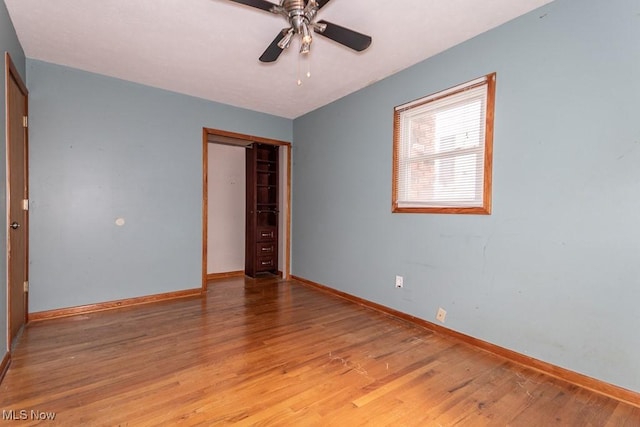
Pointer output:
349, 38
272, 53
260, 4
321, 3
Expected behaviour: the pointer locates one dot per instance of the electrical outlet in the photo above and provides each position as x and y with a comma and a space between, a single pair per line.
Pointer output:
399, 281
442, 313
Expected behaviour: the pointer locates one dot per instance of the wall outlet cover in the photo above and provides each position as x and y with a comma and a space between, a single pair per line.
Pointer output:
399, 281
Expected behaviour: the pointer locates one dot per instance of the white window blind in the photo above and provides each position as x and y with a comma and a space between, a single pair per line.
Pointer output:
440, 149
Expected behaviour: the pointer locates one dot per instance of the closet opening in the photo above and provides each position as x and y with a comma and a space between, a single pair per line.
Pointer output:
245, 180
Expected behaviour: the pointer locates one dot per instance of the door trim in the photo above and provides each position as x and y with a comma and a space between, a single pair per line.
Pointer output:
286, 273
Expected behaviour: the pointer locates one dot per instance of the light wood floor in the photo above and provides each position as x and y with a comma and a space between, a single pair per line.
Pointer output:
277, 353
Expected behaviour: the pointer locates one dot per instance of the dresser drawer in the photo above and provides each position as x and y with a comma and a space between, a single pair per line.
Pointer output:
266, 249
266, 263
266, 234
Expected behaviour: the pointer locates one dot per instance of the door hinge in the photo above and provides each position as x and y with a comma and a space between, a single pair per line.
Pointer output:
26, 286
25, 204
25, 121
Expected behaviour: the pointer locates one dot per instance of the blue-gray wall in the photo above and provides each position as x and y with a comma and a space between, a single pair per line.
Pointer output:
554, 272
8, 43
103, 148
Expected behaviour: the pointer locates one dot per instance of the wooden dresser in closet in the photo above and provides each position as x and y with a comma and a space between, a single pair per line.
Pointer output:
261, 249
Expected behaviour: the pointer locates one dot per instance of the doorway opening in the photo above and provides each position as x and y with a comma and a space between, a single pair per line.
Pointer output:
223, 204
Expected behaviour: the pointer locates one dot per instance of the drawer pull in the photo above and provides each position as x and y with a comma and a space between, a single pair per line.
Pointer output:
266, 263
269, 249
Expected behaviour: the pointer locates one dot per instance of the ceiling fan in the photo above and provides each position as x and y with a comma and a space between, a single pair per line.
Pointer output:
300, 14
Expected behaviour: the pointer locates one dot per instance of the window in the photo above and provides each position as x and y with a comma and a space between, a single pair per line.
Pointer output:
442, 151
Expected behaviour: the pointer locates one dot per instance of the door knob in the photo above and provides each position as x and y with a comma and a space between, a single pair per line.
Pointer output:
14, 225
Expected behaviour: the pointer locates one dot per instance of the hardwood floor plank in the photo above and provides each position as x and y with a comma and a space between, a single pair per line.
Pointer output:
270, 352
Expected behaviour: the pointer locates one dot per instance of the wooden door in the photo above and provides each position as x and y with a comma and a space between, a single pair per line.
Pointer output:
17, 200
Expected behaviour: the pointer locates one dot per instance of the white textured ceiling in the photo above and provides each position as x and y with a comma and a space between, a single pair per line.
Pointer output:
210, 48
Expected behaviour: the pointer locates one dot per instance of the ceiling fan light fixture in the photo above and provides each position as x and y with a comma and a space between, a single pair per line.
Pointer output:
305, 48
286, 40
319, 27
306, 34
306, 39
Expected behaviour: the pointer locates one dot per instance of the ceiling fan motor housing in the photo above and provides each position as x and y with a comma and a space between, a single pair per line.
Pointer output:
293, 5
297, 14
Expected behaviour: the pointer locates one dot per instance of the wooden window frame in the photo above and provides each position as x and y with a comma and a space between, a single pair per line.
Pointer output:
485, 209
